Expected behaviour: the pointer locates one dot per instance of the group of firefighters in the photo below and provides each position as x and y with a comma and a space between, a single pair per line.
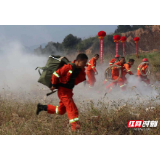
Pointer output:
118, 63
66, 79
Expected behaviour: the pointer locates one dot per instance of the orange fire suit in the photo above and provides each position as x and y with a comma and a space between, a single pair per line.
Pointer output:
143, 68
91, 69
114, 60
126, 70
115, 75
66, 78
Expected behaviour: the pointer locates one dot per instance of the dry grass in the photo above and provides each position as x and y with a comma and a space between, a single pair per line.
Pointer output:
20, 119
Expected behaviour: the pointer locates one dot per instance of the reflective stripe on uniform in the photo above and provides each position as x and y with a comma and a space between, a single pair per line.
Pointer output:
122, 85
89, 64
110, 63
70, 71
57, 110
128, 70
57, 75
142, 68
93, 67
106, 80
73, 120
90, 87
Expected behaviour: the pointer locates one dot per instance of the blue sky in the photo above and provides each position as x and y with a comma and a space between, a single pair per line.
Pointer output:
30, 35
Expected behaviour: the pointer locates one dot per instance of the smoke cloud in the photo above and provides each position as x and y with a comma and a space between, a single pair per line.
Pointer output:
18, 76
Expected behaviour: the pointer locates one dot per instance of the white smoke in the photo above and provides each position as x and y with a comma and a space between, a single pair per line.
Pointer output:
136, 92
18, 75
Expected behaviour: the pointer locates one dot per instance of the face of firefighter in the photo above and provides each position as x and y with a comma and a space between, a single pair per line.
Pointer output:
131, 63
96, 57
81, 63
146, 64
122, 60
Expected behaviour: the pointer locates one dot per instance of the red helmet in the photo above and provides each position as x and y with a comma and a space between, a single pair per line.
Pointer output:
116, 56
145, 60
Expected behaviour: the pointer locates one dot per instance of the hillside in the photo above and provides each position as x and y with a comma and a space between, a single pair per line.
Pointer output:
149, 41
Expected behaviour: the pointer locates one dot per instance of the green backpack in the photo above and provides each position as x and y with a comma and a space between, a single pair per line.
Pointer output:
53, 64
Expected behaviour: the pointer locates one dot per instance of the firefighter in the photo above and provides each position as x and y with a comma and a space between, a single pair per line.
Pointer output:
91, 71
143, 68
66, 78
126, 69
114, 60
115, 75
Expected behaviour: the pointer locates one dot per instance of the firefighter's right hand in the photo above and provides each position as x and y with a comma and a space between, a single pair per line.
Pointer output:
96, 73
52, 88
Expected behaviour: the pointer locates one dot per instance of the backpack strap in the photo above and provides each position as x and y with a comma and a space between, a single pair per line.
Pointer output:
73, 66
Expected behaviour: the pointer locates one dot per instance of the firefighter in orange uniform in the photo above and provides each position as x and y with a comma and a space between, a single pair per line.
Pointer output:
65, 78
114, 60
115, 75
143, 68
91, 71
126, 70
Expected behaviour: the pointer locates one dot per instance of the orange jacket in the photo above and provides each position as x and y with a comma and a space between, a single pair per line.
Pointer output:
92, 65
112, 61
143, 69
126, 69
115, 70
63, 74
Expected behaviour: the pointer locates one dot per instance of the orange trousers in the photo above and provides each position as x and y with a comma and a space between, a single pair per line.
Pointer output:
113, 84
91, 78
124, 79
144, 78
66, 104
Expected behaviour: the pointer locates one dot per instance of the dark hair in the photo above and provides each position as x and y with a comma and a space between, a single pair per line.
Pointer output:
96, 55
122, 57
131, 60
81, 57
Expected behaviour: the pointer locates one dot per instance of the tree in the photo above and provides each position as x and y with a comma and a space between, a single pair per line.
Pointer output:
81, 47
70, 41
59, 46
134, 27
123, 28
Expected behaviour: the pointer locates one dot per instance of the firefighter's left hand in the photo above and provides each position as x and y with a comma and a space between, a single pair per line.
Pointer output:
96, 73
52, 88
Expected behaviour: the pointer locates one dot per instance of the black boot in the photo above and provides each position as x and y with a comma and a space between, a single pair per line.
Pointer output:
40, 108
